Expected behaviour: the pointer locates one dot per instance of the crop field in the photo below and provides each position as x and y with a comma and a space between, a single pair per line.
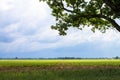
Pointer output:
98, 69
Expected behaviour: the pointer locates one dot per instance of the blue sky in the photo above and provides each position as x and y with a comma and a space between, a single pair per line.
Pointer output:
25, 32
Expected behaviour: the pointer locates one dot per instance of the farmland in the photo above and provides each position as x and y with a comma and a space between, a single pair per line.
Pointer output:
59, 69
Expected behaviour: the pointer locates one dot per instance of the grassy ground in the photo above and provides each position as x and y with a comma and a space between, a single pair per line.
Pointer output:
59, 69
99, 62
83, 74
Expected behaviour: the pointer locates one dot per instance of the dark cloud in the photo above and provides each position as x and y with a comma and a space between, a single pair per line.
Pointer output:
6, 39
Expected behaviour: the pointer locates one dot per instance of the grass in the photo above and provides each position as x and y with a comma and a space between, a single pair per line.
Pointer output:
59, 69
82, 74
98, 62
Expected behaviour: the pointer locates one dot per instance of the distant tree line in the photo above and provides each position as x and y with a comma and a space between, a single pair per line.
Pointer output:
17, 58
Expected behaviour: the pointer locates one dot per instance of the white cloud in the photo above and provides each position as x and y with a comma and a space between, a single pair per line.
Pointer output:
31, 30
5, 5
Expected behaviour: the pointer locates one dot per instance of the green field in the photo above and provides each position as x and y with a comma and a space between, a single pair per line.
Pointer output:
60, 69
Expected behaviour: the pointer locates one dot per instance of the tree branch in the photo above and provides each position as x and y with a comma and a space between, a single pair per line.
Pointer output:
65, 8
112, 22
115, 6
104, 17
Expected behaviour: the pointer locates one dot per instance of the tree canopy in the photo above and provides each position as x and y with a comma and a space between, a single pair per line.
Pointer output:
99, 14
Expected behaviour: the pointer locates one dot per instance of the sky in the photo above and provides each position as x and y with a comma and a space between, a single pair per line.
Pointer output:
25, 33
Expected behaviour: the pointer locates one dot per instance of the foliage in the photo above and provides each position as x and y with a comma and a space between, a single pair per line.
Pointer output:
80, 13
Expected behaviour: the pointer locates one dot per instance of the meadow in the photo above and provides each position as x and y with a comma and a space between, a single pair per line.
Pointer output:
99, 69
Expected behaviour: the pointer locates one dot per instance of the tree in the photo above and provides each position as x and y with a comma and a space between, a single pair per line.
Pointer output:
99, 14
117, 57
